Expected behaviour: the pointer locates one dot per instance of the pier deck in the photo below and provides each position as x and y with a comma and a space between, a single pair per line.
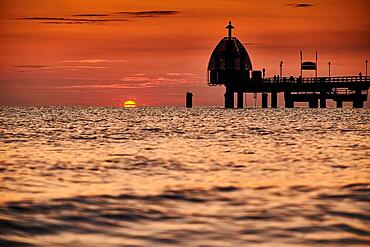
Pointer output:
312, 90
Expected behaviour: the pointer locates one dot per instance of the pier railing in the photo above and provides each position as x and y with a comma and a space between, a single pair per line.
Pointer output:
339, 79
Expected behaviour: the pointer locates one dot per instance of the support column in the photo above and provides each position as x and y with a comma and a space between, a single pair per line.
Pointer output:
358, 102
322, 103
313, 103
264, 100
240, 100
289, 103
245, 100
322, 99
339, 104
229, 98
274, 100
225, 100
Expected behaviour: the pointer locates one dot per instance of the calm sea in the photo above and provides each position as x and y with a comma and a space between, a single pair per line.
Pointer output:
161, 176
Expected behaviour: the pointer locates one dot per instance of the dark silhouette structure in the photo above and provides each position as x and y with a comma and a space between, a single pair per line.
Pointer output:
231, 66
189, 100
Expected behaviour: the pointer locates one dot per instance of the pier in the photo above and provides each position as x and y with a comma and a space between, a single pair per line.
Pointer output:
231, 66
314, 91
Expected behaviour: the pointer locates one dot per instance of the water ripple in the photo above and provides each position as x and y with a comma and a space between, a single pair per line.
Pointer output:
157, 176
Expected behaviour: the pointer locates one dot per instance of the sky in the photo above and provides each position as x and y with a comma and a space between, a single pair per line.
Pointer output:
104, 52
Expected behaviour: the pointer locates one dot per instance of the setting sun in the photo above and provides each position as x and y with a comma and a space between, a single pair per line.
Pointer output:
129, 104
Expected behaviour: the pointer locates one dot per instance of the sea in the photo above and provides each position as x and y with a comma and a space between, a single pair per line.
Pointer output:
171, 176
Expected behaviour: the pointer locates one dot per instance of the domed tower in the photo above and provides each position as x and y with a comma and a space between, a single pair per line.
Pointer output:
230, 65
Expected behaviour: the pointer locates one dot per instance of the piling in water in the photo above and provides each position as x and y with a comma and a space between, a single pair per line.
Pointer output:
189, 100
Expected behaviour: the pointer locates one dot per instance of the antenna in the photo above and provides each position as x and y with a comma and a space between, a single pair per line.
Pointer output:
281, 70
301, 63
316, 66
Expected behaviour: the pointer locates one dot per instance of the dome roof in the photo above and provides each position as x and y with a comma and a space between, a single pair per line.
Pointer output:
230, 54
229, 63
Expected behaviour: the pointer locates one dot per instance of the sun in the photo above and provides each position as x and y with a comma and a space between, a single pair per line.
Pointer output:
129, 104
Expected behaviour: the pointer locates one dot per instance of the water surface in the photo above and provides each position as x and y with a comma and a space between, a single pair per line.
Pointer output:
157, 176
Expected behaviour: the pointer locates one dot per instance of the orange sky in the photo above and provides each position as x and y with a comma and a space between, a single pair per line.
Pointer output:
103, 52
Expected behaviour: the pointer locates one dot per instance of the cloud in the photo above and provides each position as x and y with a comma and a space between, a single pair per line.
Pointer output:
180, 74
80, 67
151, 13
31, 66
136, 79
172, 79
43, 67
103, 86
95, 60
56, 19
301, 5
98, 18
63, 20
66, 22
90, 15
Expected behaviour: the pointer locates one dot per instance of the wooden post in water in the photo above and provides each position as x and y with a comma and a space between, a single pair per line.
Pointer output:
313, 103
240, 98
229, 98
322, 99
274, 100
358, 102
289, 103
264, 100
189, 100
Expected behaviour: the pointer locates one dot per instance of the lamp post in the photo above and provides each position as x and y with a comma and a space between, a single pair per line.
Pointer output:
281, 69
329, 68
366, 67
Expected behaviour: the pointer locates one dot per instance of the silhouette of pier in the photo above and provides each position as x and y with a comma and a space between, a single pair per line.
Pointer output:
231, 66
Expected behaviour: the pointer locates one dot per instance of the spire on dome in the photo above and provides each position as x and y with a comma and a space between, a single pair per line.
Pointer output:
230, 27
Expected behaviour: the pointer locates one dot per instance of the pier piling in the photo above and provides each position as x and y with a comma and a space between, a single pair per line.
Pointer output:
322, 99
322, 103
313, 103
264, 100
240, 98
229, 99
358, 101
358, 104
189, 100
274, 100
289, 103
